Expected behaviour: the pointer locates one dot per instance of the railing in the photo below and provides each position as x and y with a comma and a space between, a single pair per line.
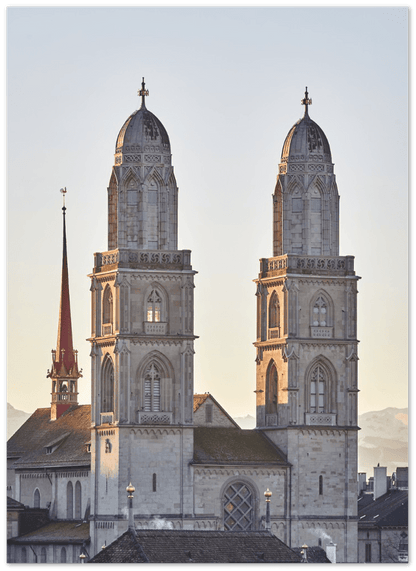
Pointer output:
107, 417
320, 419
294, 263
322, 332
64, 397
151, 417
175, 259
155, 328
107, 329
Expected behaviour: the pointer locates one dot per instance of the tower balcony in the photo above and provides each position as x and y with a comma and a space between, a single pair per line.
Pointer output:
153, 417
320, 419
300, 264
142, 260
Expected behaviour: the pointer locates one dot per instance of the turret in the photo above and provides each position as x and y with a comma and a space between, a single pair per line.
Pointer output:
64, 373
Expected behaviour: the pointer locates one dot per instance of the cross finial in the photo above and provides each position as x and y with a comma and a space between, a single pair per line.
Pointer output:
64, 191
306, 101
143, 92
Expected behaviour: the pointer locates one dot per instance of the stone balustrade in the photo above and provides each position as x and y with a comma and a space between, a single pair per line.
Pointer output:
300, 264
142, 259
320, 419
152, 417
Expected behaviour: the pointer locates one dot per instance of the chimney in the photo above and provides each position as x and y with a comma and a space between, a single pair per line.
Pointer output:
331, 552
362, 482
380, 481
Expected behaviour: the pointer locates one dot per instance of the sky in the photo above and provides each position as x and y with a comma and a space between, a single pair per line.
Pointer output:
227, 85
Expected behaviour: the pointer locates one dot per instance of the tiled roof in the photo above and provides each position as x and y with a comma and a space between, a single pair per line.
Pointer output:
72, 429
14, 504
189, 546
229, 446
200, 399
314, 554
389, 510
61, 532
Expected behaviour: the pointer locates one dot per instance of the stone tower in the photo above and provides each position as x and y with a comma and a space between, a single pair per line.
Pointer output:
142, 341
306, 392
64, 372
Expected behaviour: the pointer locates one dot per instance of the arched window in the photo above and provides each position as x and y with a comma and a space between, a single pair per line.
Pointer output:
152, 389
107, 386
318, 389
69, 501
238, 507
320, 311
271, 389
36, 499
24, 555
154, 306
107, 305
63, 555
78, 500
274, 314
322, 314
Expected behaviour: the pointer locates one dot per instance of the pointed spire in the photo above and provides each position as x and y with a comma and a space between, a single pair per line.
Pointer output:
306, 102
64, 348
143, 93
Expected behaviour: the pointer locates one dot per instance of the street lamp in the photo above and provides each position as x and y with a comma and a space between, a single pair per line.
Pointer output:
268, 495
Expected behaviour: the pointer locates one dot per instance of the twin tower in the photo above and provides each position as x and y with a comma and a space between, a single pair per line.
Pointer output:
142, 339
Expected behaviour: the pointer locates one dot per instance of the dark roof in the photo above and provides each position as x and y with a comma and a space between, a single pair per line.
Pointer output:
71, 431
190, 546
14, 504
229, 446
62, 532
314, 554
200, 399
389, 510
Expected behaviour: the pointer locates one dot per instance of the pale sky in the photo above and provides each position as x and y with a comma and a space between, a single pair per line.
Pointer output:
227, 84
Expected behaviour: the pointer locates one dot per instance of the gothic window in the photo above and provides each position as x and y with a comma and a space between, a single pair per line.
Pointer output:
36, 499
320, 310
238, 507
154, 306
274, 313
78, 500
69, 501
318, 389
107, 305
271, 389
152, 389
107, 386
63, 555
43, 555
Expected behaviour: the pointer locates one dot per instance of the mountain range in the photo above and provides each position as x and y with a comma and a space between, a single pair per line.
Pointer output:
383, 438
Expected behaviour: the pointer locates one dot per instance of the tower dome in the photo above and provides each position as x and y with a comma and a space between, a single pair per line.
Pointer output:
143, 139
306, 148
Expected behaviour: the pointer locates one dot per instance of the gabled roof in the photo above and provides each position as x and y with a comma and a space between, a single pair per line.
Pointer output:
61, 532
71, 431
199, 400
195, 546
389, 510
229, 446
14, 505
314, 554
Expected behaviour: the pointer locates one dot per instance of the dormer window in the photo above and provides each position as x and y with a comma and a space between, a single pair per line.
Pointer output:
49, 449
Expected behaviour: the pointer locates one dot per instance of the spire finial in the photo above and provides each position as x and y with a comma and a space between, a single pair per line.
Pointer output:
64, 191
306, 101
143, 92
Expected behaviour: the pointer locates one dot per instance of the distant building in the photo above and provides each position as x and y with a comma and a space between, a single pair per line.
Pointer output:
190, 462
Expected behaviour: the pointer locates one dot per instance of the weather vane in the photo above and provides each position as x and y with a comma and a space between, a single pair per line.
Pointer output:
306, 101
143, 92
64, 191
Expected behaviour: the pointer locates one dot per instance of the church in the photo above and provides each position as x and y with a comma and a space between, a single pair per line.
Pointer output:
191, 465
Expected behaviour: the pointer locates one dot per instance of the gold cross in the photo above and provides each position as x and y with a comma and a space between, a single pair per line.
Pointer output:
143, 92
306, 101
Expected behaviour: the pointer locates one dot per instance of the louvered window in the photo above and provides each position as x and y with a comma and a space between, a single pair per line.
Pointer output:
152, 389
154, 305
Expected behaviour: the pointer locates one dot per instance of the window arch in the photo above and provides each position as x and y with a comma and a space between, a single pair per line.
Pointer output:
69, 501
271, 389
154, 307
78, 496
238, 507
322, 310
107, 385
36, 498
63, 555
154, 386
107, 306
274, 314
320, 386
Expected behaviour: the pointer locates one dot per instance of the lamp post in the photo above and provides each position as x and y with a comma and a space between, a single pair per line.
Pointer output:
304, 553
130, 490
268, 495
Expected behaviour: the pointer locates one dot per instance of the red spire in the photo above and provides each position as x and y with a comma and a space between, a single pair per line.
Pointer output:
64, 348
